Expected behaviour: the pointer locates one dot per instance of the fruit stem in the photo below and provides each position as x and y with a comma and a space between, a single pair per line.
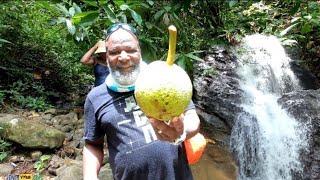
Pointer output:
172, 44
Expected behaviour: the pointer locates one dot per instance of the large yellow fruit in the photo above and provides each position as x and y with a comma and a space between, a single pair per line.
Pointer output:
163, 90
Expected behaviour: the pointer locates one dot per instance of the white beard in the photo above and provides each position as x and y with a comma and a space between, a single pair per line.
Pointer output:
125, 78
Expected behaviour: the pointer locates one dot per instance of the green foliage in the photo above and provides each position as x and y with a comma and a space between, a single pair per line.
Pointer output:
41, 56
295, 22
42, 163
151, 18
36, 102
41, 42
242, 18
88, 24
2, 96
302, 29
4, 148
40, 166
37, 176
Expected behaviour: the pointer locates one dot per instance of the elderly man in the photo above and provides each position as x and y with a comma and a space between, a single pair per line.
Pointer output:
136, 150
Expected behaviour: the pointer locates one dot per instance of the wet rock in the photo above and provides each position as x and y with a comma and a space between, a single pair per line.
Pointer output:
216, 89
304, 106
217, 97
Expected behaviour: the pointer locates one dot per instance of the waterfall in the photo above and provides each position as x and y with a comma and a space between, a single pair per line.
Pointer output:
265, 139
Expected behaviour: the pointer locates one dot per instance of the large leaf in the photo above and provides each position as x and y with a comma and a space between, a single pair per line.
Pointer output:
123, 17
136, 17
103, 2
150, 2
85, 18
295, 19
306, 28
119, 2
3, 156
5, 41
76, 8
193, 57
63, 9
167, 8
70, 26
158, 14
59, 20
79, 36
124, 7
232, 3
90, 2
72, 11
181, 61
110, 14
284, 32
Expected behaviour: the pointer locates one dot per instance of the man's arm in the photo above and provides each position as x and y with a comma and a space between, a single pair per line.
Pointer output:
92, 160
87, 58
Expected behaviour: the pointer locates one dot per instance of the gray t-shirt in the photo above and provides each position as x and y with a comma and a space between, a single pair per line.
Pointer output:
134, 151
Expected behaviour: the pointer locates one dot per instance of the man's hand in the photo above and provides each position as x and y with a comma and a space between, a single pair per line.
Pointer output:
168, 131
187, 122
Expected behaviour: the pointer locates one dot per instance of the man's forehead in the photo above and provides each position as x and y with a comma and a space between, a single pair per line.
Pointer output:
121, 41
122, 36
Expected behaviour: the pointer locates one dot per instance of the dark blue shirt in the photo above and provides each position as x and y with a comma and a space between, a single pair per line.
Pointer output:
134, 151
100, 74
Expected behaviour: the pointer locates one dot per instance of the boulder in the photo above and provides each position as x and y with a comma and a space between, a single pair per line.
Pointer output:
72, 169
29, 133
304, 106
216, 89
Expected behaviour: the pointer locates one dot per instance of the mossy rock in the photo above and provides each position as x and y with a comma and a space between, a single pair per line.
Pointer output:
30, 133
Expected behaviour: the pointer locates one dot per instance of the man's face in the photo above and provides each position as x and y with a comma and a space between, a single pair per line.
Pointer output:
123, 57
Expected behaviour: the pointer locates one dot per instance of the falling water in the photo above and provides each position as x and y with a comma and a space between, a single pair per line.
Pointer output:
265, 139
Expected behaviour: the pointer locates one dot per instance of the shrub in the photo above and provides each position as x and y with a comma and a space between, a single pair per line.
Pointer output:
41, 57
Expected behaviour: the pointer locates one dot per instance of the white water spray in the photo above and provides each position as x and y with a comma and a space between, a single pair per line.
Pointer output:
265, 139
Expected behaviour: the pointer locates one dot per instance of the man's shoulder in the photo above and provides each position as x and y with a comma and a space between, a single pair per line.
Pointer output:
98, 91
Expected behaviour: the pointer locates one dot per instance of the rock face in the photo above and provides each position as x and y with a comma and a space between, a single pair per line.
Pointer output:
218, 97
216, 89
29, 133
304, 105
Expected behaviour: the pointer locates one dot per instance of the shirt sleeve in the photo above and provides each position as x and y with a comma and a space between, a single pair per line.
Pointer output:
92, 127
190, 106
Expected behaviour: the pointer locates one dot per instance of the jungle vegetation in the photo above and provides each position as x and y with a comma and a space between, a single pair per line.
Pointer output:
42, 42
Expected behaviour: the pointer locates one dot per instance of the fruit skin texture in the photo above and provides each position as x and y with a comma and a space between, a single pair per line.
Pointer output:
163, 91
